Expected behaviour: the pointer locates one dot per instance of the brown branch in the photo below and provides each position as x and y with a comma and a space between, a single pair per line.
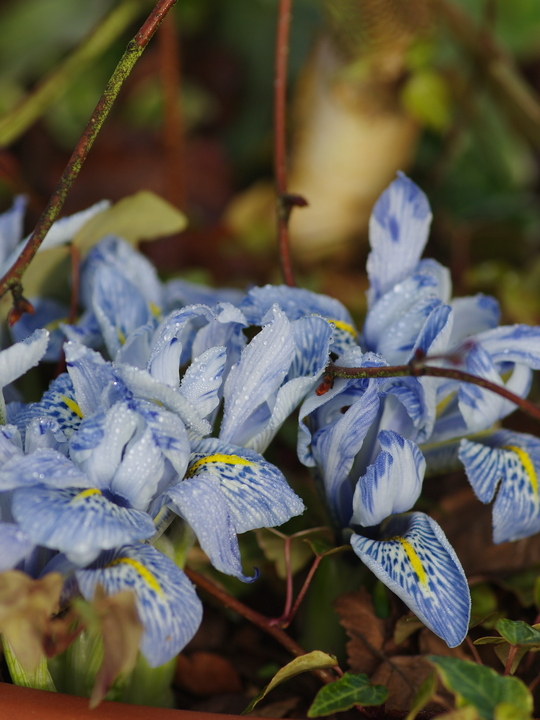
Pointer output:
12, 279
262, 622
417, 368
284, 201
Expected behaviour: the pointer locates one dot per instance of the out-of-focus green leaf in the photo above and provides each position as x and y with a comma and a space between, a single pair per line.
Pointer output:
345, 693
315, 660
425, 96
39, 679
522, 585
484, 602
481, 686
425, 692
273, 548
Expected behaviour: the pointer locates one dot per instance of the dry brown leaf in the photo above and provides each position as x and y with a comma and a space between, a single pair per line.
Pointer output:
121, 632
403, 676
430, 644
364, 628
26, 609
204, 673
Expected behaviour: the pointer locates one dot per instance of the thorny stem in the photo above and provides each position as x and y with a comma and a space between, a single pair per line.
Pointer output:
284, 201
418, 368
12, 279
261, 621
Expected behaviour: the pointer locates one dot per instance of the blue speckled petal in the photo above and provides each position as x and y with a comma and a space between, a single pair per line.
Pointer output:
473, 315
22, 356
202, 504
80, 523
392, 484
202, 380
398, 232
256, 491
90, 375
167, 604
45, 466
255, 379
47, 314
420, 566
511, 462
15, 544
512, 343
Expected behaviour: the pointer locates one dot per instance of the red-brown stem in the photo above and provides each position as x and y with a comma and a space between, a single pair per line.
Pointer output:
512, 651
474, 651
12, 279
419, 369
307, 582
262, 622
280, 150
173, 130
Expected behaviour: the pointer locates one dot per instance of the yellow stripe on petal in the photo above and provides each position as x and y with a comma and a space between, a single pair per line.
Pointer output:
145, 574
528, 466
217, 458
154, 309
414, 560
340, 325
85, 493
72, 405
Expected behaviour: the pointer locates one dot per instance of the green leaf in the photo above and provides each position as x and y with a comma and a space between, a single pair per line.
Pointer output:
481, 686
40, 679
315, 660
423, 696
345, 693
507, 711
502, 652
425, 96
517, 632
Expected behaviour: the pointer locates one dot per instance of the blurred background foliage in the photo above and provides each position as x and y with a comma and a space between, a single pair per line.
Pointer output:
446, 90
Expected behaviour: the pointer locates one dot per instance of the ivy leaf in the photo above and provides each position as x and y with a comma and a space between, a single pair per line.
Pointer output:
315, 660
345, 693
517, 632
482, 687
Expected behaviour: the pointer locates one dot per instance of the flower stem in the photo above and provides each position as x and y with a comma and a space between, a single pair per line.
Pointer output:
12, 279
418, 368
261, 621
284, 201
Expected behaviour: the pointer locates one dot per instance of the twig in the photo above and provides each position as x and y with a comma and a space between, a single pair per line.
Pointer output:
262, 622
284, 201
173, 130
12, 279
418, 368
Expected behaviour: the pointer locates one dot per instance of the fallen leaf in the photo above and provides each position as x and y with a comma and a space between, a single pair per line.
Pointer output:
364, 628
206, 673
402, 675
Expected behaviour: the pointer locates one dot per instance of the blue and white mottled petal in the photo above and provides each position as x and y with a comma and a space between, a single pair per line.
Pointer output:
17, 359
168, 432
473, 315
136, 350
202, 380
119, 306
179, 293
102, 440
90, 375
10, 443
512, 343
392, 484
256, 491
79, 523
86, 332
420, 566
481, 408
165, 365
11, 229
513, 460
144, 386
45, 433
167, 604
15, 544
409, 301
203, 505
255, 379
47, 314
398, 232
297, 303
336, 446
45, 466
183, 325
225, 329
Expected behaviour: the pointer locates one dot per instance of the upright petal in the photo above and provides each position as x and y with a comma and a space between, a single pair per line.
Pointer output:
398, 232
420, 566
167, 604
473, 315
90, 375
19, 358
392, 484
15, 544
202, 380
11, 229
255, 380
